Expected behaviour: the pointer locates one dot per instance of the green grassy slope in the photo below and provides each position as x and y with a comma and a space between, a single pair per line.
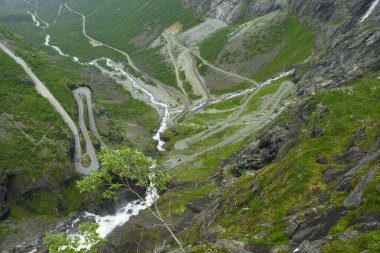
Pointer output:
295, 44
67, 34
34, 144
37, 119
299, 46
55, 73
117, 22
212, 46
294, 182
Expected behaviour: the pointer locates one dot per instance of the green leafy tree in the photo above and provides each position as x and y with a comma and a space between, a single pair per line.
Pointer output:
121, 171
87, 235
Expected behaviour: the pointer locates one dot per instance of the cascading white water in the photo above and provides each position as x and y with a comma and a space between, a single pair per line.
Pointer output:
370, 10
36, 22
118, 70
58, 50
243, 92
109, 222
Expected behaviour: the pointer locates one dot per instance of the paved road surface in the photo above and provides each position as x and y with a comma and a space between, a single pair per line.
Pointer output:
44, 91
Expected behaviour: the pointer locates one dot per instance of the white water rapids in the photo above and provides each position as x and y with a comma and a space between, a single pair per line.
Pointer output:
243, 92
116, 71
58, 50
109, 222
35, 20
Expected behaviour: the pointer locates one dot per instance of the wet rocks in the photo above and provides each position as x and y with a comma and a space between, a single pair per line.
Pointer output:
322, 160
259, 248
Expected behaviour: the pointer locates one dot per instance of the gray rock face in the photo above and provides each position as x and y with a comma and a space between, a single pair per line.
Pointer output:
350, 155
329, 175
197, 205
367, 222
318, 227
231, 11
345, 47
356, 196
271, 146
227, 11
200, 5
262, 7
315, 246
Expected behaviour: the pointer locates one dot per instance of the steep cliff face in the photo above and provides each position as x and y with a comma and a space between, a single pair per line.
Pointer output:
347, 46
306, 182
232, 11
344, 42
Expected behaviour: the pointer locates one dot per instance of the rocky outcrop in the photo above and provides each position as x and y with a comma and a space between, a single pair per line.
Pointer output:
270, 147
356, 196
201, 6
345, 47
343, 43
232, 11
262, 7
318, 225
227, 11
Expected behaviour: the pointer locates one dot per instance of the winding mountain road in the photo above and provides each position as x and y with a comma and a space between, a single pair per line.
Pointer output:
83, 91
95, 42
213, 66
219, 127
44, 91
175, 65
204, 87
89, 147
274, 101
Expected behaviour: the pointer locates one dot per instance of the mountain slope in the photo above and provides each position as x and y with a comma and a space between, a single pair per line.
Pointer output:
269, 111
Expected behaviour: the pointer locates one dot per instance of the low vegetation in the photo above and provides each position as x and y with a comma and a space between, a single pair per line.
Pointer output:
288, 41
132, 19
212, 46
295, 181
299, 46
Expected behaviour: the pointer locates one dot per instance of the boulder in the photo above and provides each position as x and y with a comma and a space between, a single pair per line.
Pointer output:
356, 196
350, 155
329, 175
318, 226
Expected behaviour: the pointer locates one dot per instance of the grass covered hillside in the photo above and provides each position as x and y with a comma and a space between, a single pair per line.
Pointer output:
35, 149
260, 48
132, 24
300, 183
